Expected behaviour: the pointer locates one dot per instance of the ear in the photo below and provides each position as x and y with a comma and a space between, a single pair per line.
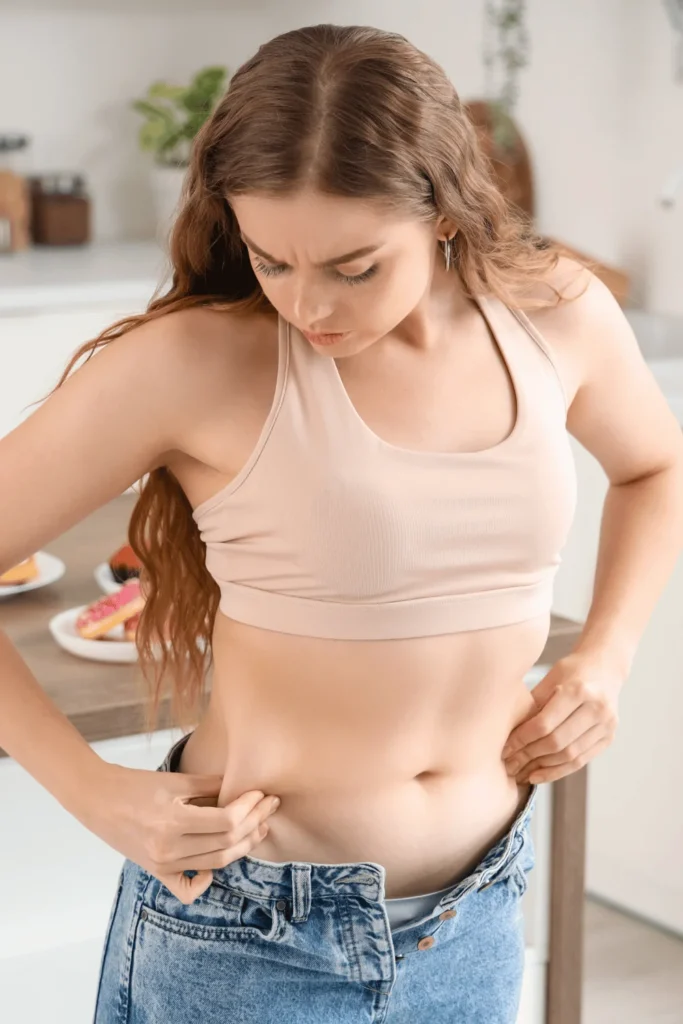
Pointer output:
445, 228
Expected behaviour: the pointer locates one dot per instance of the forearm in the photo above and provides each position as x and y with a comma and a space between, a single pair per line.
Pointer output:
641, 538
40, 738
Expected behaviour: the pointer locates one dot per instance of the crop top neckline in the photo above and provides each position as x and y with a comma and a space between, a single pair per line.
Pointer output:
445, 457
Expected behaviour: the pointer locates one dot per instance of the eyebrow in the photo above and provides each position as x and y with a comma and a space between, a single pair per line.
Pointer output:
346, 258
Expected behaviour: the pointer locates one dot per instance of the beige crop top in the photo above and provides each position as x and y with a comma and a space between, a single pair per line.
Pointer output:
329, 531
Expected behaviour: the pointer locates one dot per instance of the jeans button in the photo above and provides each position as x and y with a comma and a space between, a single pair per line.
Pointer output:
426, 943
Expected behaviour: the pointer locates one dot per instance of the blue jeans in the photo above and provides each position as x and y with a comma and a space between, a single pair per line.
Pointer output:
309, 943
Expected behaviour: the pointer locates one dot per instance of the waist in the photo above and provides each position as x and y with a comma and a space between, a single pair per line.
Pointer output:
429, 831
426, 834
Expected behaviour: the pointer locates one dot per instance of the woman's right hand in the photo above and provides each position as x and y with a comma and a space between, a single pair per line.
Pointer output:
168, 823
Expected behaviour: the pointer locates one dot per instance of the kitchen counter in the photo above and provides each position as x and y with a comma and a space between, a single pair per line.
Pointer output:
106, 700
60, 277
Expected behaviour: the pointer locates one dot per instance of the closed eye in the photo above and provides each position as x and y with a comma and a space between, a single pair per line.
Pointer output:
272, 270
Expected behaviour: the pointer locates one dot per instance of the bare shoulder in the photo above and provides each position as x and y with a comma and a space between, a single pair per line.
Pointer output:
227, 365
583, 327
616, 409
577, 295
222, 355
203, 341
211, 359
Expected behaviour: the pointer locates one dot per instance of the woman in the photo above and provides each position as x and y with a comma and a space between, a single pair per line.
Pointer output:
351, 415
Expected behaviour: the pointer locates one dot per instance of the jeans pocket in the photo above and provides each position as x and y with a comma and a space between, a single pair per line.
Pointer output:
220, 912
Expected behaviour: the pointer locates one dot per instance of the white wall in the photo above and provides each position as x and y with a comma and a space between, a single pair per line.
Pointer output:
652, 237
598, 105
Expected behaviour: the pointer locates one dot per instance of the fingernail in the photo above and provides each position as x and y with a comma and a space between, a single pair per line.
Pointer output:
275, 803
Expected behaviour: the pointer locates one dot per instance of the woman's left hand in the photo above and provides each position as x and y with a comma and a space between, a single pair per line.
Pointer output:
575, 719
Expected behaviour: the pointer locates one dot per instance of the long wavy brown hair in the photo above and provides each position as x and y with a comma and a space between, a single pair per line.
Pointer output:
344, 110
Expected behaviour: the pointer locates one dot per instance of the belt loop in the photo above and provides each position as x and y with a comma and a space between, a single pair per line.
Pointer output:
301, 892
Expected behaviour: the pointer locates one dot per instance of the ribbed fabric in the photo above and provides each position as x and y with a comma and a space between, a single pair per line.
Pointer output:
329, 531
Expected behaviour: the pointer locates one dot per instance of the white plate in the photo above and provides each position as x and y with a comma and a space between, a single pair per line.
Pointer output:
63, 629
105, 578
50, 569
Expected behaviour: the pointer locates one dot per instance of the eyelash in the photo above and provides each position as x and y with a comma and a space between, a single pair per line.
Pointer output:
270, 271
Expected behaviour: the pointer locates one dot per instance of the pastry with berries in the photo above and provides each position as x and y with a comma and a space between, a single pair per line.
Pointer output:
103, 615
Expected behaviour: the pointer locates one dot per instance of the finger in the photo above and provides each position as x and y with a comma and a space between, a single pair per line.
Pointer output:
217, 819
204, 790
560, 706
552, 772
216, 859
191, 844
571, 752
578, 724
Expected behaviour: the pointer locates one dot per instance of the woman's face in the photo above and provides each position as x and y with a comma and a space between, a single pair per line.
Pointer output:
366, 295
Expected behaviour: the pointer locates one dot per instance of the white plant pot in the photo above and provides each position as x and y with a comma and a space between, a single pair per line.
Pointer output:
166, 184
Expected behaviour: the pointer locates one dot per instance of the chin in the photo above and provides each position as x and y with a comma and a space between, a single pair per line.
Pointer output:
349, 348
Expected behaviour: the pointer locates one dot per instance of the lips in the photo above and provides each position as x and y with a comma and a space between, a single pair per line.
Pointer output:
324, 339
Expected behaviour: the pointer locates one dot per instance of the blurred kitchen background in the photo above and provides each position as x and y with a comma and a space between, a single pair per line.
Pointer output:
587, 134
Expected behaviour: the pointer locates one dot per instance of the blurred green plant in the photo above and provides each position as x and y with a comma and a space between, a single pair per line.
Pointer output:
175, 113
508, 55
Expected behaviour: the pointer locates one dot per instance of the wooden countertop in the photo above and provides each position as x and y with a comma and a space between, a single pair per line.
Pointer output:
106, 700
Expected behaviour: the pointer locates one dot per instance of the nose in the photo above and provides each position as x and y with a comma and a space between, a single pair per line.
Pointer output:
310, 307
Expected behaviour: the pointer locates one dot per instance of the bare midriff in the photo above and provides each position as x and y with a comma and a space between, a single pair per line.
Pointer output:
386, 751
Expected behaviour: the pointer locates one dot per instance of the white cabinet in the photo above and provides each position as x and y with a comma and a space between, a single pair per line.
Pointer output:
36, 347
53, 299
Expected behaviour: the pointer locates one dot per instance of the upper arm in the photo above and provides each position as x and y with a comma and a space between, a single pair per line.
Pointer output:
109, 423
618, 411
